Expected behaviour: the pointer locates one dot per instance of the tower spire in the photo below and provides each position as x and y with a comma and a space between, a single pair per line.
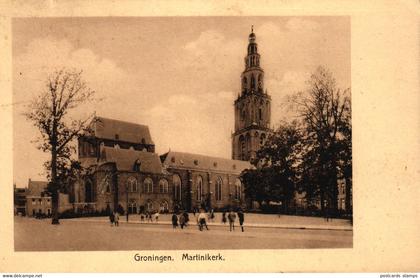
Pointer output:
252, 28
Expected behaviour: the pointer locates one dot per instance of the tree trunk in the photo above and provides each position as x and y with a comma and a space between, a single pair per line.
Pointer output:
54, 185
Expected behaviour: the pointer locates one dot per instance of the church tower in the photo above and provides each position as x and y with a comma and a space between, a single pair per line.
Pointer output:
252, 107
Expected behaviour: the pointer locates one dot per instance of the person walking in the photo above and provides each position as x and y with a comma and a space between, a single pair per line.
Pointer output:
241, 217
174, 220
156, 215
182, 220
212, 215
111, 218
224, 220
202, 221
116, 218
186, 218
231, 218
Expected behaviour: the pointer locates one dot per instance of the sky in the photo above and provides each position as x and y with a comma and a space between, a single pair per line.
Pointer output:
178, 75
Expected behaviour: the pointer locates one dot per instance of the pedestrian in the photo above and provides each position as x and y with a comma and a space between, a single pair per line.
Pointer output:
174, 220
231, 218
224, 217
111, 218
116, 218
241, 217
142, 217
212, 215
202, 221
157, 216
181, 220
186, 218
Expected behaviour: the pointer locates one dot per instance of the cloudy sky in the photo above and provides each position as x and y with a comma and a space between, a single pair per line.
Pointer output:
178, 75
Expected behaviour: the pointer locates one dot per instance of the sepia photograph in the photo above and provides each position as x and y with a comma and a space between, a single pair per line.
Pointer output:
182, 133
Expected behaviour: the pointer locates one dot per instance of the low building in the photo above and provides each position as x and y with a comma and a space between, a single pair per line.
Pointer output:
19, 195
38, 199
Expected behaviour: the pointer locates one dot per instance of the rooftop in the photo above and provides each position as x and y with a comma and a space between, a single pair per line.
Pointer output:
203, 162
126, 159
120, 130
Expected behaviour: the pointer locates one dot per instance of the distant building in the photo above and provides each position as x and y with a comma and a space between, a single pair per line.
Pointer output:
19, 195
38, 199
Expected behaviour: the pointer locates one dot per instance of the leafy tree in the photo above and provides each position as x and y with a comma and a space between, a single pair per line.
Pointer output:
325, 111
49, 112
274, 177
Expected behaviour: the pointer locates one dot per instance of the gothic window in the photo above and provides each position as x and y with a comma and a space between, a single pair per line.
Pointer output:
132, 184
199, 188
177, 187
252, 82
88, 192
243, 114
248, 141
218, 192
242, 146
148, 185
163, 186
262, 139
260, 114
238, 189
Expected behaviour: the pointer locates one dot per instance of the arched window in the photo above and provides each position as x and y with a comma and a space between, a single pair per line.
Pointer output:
177, 187
163, 186
252, 82
218, 190
238, 189
248, 141
148, 185
132, 184
88, 192
242, 147
262, 139
199, 188
260, 114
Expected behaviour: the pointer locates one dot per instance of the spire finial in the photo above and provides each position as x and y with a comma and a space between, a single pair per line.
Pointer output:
252, 28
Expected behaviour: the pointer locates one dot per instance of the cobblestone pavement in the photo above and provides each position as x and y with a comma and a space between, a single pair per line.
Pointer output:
39, 235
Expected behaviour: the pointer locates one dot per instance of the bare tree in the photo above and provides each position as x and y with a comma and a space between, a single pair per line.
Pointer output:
49, 112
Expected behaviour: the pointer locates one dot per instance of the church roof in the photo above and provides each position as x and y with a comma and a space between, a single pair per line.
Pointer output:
35, 188
203, 162
125, 159
129, 132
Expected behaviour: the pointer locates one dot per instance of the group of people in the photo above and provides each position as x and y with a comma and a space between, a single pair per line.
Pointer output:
114, 218
182, 219
203, 217
149, 216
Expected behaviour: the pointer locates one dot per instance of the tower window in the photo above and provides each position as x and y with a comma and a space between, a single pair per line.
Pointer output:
260, 114
117, 137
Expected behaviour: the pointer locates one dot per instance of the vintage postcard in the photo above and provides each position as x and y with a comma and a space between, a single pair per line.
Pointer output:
226, 138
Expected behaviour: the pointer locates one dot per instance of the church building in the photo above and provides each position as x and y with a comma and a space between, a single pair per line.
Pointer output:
125, 172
